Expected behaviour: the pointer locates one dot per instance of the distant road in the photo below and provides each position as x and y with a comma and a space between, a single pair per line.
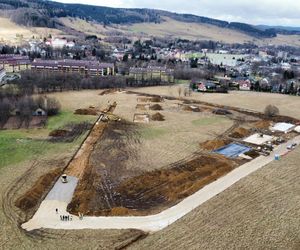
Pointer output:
46, 216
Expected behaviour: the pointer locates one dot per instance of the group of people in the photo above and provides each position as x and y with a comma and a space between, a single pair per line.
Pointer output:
66, 218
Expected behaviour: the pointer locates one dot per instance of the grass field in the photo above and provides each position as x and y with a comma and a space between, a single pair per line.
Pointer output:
22, 145
208, 121
66, 117
18, 146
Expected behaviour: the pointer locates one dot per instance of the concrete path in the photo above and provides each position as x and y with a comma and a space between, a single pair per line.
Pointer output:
46, 217
63, 191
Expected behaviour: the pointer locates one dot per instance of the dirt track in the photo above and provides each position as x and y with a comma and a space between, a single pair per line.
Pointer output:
77, 166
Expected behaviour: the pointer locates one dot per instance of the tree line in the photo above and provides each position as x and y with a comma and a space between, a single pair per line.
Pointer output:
25, 106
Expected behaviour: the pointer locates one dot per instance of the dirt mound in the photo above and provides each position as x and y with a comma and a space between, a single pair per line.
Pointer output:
174, 184
89, 111
149, 192
70, 132
33, 196
59, 133
150, 99
156, 107
158, 117
239, 133
252, 153
221, 112
214, 144
108, 91
264, 124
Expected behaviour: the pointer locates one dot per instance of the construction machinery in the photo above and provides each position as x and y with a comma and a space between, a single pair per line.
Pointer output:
64, 178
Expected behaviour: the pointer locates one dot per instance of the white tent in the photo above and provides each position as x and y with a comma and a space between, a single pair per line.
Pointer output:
283, 127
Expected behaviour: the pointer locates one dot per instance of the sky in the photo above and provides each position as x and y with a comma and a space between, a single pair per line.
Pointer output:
268, 12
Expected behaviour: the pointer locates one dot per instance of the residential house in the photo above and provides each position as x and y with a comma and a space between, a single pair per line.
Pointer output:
39, 112
245, 85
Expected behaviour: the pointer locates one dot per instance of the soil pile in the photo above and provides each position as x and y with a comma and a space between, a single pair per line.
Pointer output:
70, 132
156, 107
59, 133
89, 111
158, 117
150, 99
108, 91
33, 196
264, 124
221, 112
252, 153
239, 133
148, 192
214, 144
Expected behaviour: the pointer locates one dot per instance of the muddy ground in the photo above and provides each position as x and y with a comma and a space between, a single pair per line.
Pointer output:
111, 185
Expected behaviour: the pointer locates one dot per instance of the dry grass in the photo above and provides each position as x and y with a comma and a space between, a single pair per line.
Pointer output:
288, 105
33, 196
90, 28
259, 212
16, 34
174, 139
11, 237
9, 31
191, 31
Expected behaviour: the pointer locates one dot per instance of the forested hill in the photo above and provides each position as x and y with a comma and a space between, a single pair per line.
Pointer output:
43, 13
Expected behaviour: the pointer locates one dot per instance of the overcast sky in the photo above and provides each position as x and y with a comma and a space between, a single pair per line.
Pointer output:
271, 12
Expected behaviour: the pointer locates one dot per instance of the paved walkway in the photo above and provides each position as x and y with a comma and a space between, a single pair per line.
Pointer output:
63, 191
46, 216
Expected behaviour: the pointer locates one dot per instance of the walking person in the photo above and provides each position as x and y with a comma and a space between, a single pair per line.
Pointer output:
56, 210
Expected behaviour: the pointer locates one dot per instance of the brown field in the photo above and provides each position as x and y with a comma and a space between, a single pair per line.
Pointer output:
259, 212
193, 31
288, 105
175, 29
175, 138
16, 34
131, 154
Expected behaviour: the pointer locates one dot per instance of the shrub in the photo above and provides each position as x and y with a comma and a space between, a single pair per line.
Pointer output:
271, 111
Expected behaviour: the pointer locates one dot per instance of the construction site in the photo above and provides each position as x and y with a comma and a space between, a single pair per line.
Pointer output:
146, 153
138, 162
